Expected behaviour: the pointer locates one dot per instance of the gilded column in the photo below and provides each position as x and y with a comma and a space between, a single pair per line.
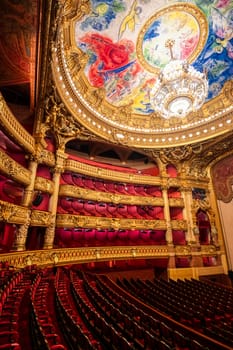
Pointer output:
21, 234
22, 231
187, 213
59, 168
167, 216
28, 193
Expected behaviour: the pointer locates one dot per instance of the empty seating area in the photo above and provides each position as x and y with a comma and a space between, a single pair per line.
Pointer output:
97, 184
79, 237
199, 305
66, 308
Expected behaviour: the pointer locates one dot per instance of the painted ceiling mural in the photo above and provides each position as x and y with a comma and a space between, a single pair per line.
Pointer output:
126, 45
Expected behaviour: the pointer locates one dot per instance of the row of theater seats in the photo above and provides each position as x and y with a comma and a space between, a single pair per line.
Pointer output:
88, 207
75, 237
196, 304
73, 326
70, 309
11, 295
134, 323
109, 186
44, 333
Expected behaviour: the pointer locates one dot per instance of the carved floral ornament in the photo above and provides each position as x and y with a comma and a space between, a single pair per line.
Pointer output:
92, 100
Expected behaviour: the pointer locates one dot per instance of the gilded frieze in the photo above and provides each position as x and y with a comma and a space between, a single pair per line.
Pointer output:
10, 167
47, 158
94, 171
67, 220
183, 250
208, 250
176, 202
12, 213
44, 185
40, 218
14, 128
78, 192
179, 224
54, 257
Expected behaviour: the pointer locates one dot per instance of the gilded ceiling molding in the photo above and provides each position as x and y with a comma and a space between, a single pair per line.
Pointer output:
44, 185
12, 213
13, 169
119, 124
67, 220
66, 256
40, 218
14, 128
212, 151
78, 192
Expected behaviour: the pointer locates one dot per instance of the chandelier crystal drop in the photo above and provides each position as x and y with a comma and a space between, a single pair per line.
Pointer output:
179, 89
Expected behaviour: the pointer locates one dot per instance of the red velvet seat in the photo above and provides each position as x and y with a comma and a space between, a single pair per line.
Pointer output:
123, 235
89, 234
111, 235
133, 235
102, 209
112, 209
110, 187
100, 185
154, 191
64, 234
140, 190
101, 235
131, 190
122, 211
78, 234
89, 207
88, 183
120, 188
142, 211
133, 212
144, 235
66, 204
157, 213
78, 181
67, 178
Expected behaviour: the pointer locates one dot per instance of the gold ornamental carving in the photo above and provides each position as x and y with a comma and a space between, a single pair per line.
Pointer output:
78, 192
67, 220
47, 158
94, 171
12, 213
208, 250
90, 107
183, 250
40, 218
10, 167
176, 202
14, 128
44, 185
66, 256
179, 225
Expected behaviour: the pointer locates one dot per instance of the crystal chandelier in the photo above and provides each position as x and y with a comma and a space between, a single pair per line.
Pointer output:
179, 89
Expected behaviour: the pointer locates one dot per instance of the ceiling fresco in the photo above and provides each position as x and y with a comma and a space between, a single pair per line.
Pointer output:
125, 41
121, 49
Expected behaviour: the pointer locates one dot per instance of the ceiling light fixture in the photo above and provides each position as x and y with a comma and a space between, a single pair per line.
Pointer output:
179, 89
